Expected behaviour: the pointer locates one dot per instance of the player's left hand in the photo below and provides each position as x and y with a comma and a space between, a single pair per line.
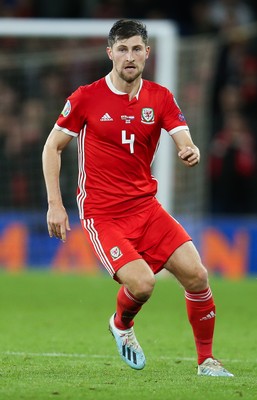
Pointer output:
190, 156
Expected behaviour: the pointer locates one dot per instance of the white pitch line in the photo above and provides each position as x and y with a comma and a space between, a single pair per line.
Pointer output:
68, 355
77, 355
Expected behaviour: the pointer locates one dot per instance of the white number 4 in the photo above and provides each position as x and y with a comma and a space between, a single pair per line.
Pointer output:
129, 141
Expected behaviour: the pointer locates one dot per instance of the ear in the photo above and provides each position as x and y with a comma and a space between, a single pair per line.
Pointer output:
109, 52
147, 52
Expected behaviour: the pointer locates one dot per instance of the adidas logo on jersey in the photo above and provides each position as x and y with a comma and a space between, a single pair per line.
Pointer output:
106, 117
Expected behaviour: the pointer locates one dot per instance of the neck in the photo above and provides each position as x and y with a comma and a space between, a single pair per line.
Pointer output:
131, 88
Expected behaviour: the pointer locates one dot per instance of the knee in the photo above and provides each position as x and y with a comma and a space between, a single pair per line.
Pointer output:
199, 280
142, 288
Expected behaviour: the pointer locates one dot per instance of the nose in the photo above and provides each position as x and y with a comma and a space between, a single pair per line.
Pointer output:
130, 56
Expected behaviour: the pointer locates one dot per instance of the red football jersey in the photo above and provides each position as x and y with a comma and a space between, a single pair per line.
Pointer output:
117, 141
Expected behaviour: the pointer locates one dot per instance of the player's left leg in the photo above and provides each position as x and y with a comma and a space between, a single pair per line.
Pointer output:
185, 264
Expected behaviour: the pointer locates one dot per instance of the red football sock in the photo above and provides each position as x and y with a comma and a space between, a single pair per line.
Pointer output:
127, 309
201, 315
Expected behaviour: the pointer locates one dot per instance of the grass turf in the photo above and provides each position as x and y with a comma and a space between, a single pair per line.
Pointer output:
54, 341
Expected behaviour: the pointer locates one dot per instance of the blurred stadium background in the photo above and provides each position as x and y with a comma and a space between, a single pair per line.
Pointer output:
213, 73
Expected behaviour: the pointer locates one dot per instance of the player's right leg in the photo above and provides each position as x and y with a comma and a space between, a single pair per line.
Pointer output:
125, 265
137, 285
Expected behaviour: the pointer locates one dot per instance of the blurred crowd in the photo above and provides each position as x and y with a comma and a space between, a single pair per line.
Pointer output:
27, 115
192, 16
233, 146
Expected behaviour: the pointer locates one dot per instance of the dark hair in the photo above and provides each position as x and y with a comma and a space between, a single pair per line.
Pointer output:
126, 28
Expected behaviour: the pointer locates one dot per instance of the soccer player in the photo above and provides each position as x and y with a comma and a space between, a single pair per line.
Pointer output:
117, 121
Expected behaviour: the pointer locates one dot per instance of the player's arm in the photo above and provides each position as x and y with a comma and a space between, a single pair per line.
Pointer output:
188, 152
57, 218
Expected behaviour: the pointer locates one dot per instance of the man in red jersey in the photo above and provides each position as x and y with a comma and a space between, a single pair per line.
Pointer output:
117, 121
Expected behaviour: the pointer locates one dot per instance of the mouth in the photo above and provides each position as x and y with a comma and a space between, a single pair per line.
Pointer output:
130, 67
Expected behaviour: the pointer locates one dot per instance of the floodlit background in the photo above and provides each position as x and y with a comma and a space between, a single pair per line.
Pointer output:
214, 79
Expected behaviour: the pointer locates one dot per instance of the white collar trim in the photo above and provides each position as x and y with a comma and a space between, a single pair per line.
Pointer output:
116, 91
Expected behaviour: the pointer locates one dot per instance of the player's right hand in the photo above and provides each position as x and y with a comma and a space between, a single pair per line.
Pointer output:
57, 222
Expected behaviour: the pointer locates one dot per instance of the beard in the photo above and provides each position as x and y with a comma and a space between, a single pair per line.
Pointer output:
129, 78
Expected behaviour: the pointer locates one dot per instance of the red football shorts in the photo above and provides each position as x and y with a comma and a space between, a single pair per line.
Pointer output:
152, 235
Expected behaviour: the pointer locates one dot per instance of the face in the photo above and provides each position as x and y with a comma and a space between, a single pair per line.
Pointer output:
128, 57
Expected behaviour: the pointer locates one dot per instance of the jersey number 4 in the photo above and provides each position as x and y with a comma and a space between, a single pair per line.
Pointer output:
129, 140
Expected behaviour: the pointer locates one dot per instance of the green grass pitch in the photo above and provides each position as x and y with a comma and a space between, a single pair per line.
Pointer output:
55, 344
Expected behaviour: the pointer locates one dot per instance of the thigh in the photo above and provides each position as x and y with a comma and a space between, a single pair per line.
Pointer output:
109, 244
162, 236
186, 265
